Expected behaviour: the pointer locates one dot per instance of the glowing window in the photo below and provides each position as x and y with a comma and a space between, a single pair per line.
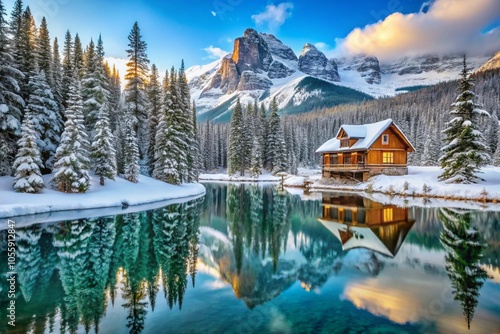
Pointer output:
388, 215
388, 157
385, 139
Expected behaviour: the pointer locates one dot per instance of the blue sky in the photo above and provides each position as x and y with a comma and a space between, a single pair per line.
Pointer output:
196, 30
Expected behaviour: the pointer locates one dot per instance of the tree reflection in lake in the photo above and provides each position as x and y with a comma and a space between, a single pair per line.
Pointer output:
464, 249
250, 257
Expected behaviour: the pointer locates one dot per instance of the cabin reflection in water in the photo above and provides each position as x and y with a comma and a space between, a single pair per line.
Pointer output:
362, 223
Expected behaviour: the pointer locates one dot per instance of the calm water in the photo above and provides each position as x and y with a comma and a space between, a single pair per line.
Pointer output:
247, 259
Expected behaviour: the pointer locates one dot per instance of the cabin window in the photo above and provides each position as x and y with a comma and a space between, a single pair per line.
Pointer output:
385, 139
344, 142
388, 157
388, 215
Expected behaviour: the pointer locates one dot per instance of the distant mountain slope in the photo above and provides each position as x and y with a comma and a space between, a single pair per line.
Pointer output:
262, 67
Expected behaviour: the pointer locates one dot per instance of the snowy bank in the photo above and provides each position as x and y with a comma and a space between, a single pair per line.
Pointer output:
113, 194
423, 182
265, 177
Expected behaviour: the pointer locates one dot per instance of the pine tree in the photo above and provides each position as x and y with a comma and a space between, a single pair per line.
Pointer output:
46, 118
72, 155
166, 152
57, 75
130, 151
78, 60
276, 147
197, 164
492, 133
103, 152
135, 90
154, 112
44, 52
27, 60
67, 67
95, 85
235, 151
465, 150
11, 103
15, 29
256, 162
185, 125
28, 178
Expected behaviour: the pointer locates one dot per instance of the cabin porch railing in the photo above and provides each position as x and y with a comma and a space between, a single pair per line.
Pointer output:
340, 167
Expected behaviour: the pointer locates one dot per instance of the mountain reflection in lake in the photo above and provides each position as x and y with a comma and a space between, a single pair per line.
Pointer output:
250, 259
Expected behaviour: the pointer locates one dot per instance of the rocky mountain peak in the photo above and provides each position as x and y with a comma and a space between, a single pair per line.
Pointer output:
251, 52
491, 64
314, 62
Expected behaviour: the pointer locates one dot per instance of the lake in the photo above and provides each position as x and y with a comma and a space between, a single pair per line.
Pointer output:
250, 259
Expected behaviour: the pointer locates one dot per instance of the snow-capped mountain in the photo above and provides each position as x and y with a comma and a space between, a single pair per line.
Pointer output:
262, 67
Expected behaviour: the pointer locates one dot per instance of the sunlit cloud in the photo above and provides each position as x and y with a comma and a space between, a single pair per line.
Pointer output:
441, 27
214, 52
214, 14
274, 16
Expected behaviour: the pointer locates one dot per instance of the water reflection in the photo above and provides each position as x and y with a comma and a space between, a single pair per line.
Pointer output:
250, 258
68, 270
464, 249
361, 222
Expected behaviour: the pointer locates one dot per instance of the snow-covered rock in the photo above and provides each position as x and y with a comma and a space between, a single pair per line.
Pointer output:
491, 64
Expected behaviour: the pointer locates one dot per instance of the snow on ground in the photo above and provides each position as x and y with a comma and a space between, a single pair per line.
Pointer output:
113, 194
264, 177
423, 182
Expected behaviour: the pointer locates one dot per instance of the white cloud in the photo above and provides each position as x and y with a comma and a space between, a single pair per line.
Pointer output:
322, 45
213, 13
274, 16
215, 53
441, 27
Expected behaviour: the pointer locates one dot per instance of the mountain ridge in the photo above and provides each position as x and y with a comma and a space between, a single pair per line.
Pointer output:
262, 67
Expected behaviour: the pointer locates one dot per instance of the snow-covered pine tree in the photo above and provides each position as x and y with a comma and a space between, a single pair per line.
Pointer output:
166, 152
263, 131
496, 157
67, 67
95, 85
57, 75
256, 162
465, 150
28, 178
136, 101
27, 61
186, 128
44, 52
15, 28
72, 155
11, 103
276, 147
78, 58
493, 132
195, 171
235, 150
130, 151
103, 152
46, 118
114, 97
154, 112
431, 146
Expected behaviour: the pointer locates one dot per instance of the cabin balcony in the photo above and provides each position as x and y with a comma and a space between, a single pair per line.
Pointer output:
360, 167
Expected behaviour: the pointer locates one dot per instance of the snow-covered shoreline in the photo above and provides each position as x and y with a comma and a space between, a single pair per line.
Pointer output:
113, 195
421, 182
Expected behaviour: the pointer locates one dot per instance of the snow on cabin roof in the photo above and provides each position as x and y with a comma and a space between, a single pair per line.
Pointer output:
363, 237
366, 134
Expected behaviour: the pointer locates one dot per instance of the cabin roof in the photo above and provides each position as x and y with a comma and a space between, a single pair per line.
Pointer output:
366, 134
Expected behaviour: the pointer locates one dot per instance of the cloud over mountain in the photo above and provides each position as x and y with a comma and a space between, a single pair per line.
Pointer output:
441, 27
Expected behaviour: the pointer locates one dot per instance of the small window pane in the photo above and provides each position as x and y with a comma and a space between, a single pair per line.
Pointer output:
385, 139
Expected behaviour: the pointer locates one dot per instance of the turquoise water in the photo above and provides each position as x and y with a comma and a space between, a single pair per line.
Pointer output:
249, 259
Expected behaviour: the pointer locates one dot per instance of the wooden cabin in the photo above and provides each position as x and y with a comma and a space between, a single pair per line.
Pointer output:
362, 151
359, 222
